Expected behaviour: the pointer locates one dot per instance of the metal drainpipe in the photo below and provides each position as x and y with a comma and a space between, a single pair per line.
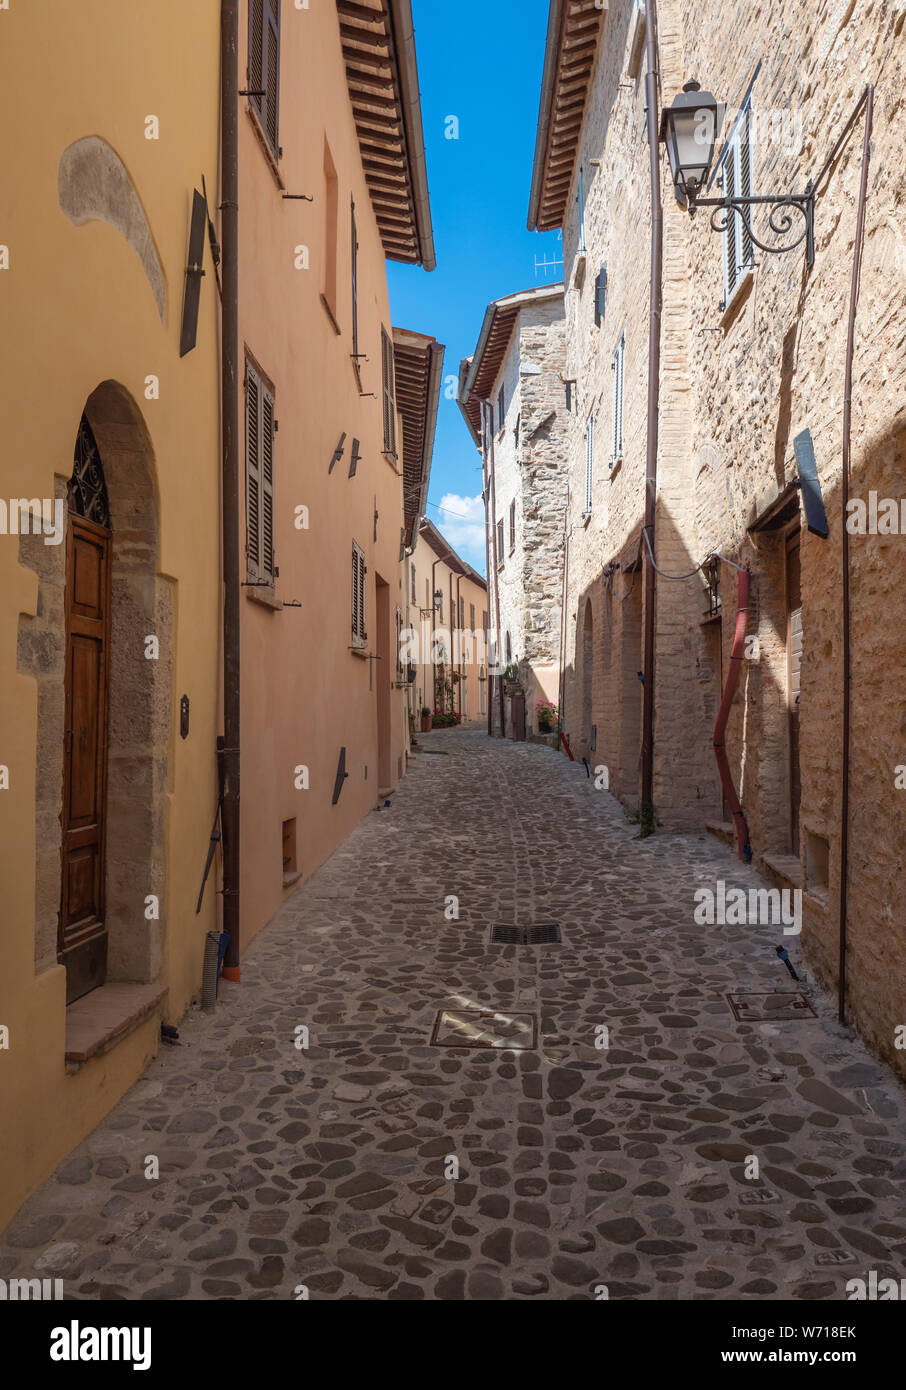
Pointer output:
487, 564
459, 624
433, 637
229, 235
498, 678
847, 451
654, 372
561, 685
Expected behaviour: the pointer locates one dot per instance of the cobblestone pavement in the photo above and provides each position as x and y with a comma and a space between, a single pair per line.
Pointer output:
578, 1167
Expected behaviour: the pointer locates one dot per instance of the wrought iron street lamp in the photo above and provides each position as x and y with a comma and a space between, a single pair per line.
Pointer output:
689, 129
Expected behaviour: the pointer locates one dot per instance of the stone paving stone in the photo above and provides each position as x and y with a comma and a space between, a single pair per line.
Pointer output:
374, 1165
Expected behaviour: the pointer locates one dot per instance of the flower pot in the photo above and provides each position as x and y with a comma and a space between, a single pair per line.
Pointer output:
426, 723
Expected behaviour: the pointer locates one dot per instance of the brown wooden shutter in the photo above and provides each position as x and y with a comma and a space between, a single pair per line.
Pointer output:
268, 567
256, 54
359, 635
259, 478
355, 289
264, 66
252, 472
272, 84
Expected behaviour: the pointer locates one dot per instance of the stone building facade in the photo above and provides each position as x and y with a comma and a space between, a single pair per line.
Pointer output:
753, 354
513, 399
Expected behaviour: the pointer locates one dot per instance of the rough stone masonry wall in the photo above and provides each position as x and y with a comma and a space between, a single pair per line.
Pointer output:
543, 435
532, 474
737, 386
603, 704
777, 368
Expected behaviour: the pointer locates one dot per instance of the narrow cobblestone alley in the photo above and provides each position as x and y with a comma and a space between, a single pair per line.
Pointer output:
578, 1167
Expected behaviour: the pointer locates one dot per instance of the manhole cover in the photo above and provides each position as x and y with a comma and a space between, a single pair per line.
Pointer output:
526, 936
484, 1028
758, 1008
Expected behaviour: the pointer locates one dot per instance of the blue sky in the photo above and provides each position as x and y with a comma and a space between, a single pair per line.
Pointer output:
480, 61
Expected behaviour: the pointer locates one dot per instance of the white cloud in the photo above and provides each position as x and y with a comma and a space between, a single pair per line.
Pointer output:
461, 521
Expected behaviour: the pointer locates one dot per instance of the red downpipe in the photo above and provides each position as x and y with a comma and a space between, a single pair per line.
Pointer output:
720, 728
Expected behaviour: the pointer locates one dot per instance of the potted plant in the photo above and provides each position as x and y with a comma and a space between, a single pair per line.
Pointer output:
548, 714
426, 720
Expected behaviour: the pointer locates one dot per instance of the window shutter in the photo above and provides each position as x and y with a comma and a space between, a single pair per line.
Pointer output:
600, 296
272, 100
589, 462
359, 635
414, 595
264, 65
355, 289
268, 566
512, 526
731, 264
252, 473
619, 361
389, 393
744, 183
501, 409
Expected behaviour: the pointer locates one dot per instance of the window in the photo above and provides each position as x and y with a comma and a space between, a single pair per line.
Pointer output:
589, 462
600, 296
516, 431
580, 199
389, 393
618, 366
471, 617
289, 848
512, 526
509, 650
737, 183
414, 595
355, 291
501, 409
490, 423
264, 66
359, 631
439, 602
259, 479
462, 612
331, 223
500, 542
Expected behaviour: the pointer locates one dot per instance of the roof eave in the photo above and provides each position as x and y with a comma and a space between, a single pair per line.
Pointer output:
404, 33
551, 55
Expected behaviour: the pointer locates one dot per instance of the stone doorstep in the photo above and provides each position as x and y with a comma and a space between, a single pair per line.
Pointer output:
784, 870
99, 1020
722, 830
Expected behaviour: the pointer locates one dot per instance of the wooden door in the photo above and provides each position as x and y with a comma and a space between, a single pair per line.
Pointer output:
518, 717
82, 942
794, 669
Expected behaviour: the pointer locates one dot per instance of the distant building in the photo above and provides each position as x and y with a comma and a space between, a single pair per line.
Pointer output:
448, 610
513, 397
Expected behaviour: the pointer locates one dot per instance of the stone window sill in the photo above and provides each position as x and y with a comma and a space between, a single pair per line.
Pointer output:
265, 144
360, 651
291, 879
266, 597
99, 1020
739, 296
615, 466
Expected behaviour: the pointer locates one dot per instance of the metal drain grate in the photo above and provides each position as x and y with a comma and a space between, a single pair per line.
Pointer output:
526, 936
483, 1028
777, 1006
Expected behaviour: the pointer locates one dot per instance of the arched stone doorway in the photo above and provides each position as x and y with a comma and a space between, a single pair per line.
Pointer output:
126, 701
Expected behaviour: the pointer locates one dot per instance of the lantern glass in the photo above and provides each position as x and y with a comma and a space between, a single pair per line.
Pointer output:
690, 134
